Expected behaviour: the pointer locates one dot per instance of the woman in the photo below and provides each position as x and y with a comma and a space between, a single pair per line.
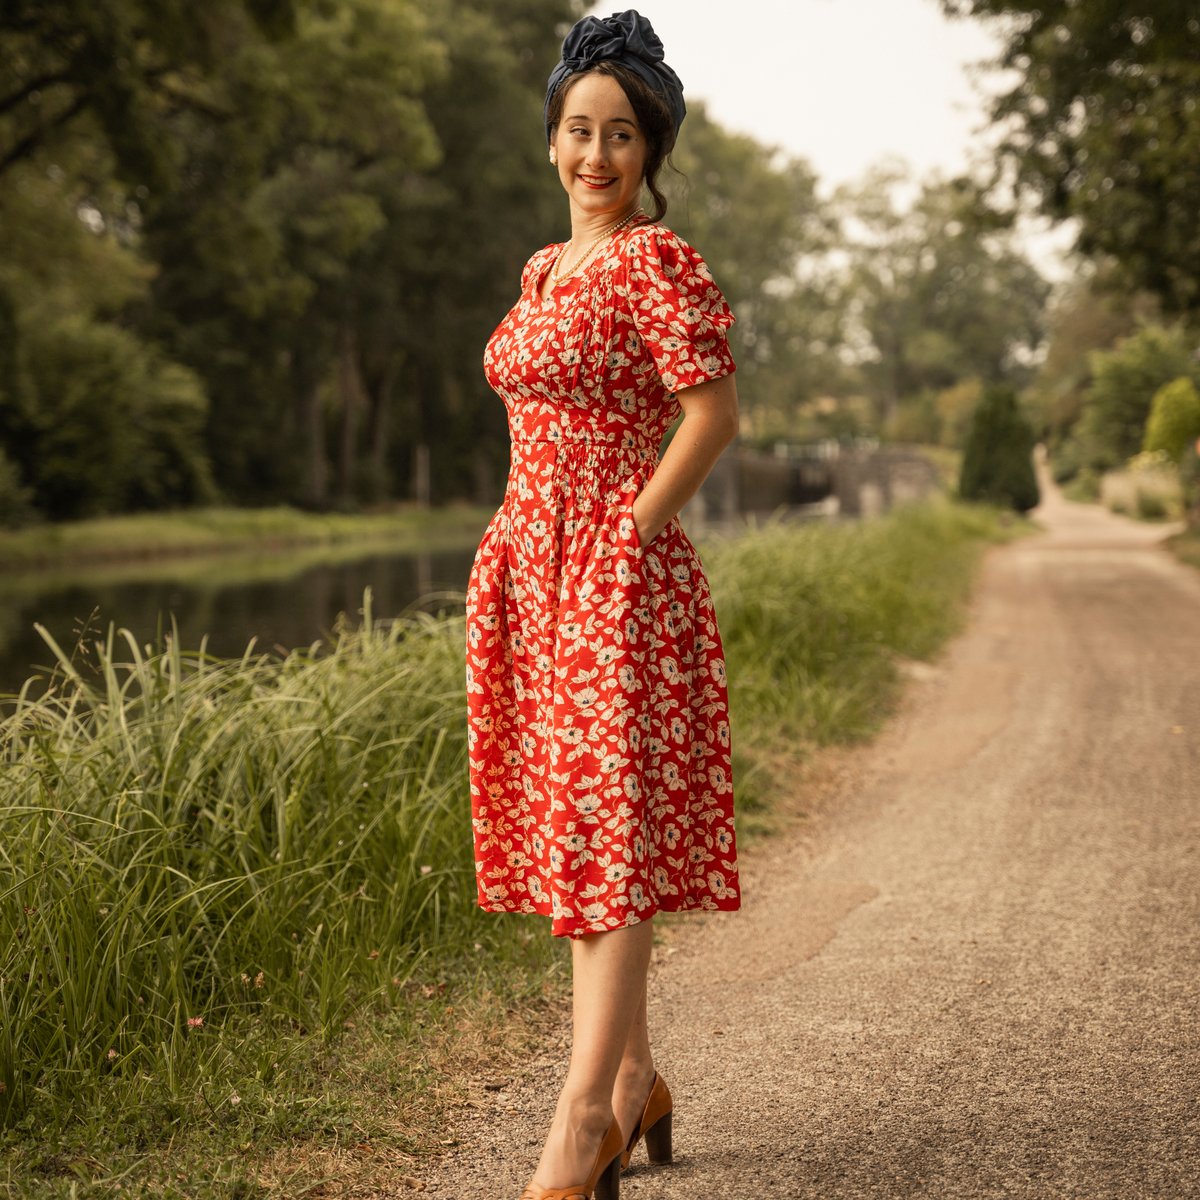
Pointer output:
600, 759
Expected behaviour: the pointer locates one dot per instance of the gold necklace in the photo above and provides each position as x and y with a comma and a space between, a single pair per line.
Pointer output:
556, 275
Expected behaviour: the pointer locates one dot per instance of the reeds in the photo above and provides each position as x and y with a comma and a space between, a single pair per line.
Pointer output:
183, 840
813, 618
204, 864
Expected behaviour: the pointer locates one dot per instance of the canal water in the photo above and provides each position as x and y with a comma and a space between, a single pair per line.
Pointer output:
282, 601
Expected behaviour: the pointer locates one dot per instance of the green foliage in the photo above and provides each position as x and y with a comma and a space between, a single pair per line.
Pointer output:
1174, 419
1125, 381
113, 426
1087, 316
997, 465
812, 618
265, 846
1103, 125
915, 420
16, 507
112, 65
756, 218
938, 290
94, 417
280, 840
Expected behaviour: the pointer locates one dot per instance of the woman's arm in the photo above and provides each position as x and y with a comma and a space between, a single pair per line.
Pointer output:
710, 423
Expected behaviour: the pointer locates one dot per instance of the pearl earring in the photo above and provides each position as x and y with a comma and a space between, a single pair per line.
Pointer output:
553, 158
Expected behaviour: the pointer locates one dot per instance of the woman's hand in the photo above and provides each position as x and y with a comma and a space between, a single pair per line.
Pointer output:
710, 423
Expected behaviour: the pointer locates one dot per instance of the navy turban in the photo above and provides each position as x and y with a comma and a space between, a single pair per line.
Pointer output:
626, 38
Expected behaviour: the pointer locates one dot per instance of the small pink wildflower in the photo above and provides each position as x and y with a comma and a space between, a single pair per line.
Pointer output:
195, 1022
111, 1055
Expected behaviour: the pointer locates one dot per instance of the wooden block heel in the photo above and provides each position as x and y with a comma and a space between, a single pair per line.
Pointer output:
658, 1140
608, 1186
655, 1125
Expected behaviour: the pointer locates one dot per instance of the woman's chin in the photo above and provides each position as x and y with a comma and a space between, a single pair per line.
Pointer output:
595, 201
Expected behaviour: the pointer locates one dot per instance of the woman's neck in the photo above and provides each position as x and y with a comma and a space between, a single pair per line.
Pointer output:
587, 226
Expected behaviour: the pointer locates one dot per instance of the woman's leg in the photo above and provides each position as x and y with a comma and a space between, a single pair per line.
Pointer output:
635, 1077
609, 993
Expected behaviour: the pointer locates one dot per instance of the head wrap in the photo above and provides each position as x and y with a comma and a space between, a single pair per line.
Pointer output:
626, 38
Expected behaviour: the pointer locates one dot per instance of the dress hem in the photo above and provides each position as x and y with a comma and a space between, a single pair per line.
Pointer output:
579, 929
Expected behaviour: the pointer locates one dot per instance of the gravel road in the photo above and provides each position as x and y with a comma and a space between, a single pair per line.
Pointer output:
979, 973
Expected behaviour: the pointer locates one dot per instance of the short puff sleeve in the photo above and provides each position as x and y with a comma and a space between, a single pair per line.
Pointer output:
537, 266
677, 309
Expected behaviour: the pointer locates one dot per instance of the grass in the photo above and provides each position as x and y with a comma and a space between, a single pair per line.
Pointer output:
815, 619
1186, 546
238, 936
211, 531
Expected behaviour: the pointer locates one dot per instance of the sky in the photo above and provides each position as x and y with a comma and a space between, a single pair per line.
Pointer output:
842, 83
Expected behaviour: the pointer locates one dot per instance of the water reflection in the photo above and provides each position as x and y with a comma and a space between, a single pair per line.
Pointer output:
282, 600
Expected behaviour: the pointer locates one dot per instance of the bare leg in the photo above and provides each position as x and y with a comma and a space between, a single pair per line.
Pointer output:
609, 992
635, 1076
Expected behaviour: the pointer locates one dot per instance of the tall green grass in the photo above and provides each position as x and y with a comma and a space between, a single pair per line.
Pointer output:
184, 840
813, 618
204, 864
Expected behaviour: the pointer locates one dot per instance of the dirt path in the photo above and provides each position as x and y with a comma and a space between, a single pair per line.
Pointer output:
983, 976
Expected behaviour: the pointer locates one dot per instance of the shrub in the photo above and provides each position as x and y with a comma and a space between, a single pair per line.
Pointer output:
112, 424
15, 507
1174, 419
1148, 488
998, 457
1127, 379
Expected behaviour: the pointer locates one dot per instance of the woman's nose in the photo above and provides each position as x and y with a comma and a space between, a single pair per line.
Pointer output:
596, 156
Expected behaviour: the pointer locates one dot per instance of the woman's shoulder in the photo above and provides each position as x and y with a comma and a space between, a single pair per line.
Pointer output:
654, 241
652, 251
539, 262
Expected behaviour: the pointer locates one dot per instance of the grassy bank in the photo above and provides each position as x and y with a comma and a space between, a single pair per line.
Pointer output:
238, 902
1186, 546
209, 531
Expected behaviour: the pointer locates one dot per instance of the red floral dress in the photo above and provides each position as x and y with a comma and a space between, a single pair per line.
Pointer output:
599, 728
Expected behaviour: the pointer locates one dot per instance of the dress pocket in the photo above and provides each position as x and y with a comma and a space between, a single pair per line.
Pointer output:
626, 526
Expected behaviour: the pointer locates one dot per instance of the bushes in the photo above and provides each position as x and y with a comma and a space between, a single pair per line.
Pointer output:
1174, 419
1126, 381
1147, 488
263, 845
111, 424
998, 457
812, 618
15, 507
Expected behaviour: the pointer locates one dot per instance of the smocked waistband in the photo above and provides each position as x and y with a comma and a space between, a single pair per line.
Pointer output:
585, 443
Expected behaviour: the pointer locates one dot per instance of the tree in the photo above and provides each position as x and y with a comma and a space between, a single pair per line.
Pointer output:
997, 466
261, 246
1103, 125
1088, 315
1174, 423
1125, 380
116, 66
93, 418
756, 218
936, 292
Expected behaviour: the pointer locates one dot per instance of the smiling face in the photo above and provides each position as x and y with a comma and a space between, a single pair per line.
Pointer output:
600, 148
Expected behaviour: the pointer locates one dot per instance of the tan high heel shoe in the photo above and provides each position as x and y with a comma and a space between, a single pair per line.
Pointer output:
604, 1183
655, 1125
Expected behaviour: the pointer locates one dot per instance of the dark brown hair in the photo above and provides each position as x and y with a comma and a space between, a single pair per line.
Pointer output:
650, 111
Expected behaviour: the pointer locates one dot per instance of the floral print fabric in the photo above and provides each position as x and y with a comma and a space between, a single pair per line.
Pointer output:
599, 729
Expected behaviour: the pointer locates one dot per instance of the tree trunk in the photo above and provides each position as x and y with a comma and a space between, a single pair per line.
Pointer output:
381, 405
314, 434
349, 394
421, 482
